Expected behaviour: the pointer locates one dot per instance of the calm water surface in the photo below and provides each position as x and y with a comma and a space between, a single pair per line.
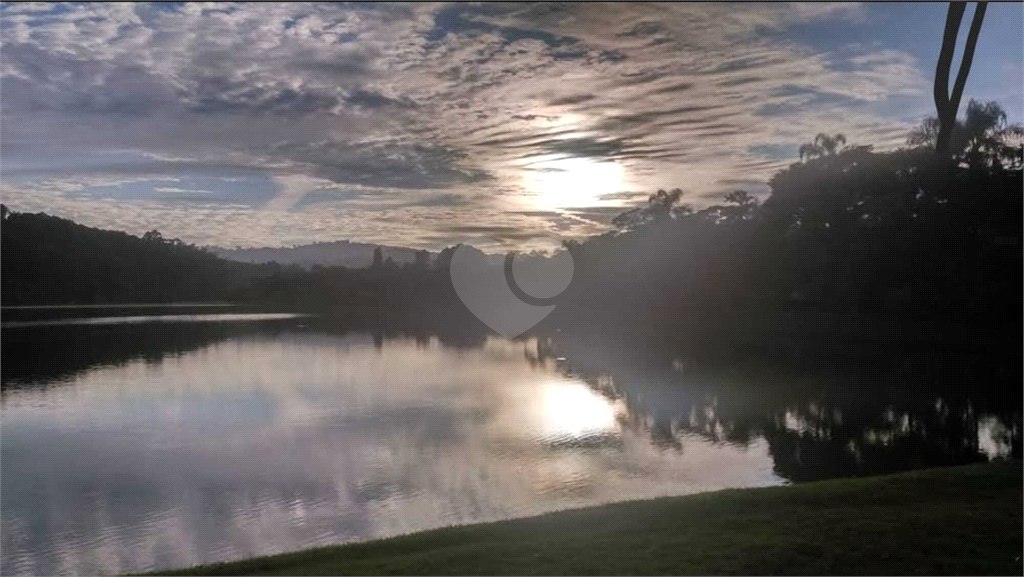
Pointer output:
141, 445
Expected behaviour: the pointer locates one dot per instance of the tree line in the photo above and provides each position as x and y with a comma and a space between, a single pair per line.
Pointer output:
51, 260
846, 230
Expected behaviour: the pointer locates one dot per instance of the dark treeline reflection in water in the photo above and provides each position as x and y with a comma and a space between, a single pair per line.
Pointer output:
821, 418
144, 445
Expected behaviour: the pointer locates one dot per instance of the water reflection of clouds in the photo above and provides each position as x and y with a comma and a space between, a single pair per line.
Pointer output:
260, 444
263, 442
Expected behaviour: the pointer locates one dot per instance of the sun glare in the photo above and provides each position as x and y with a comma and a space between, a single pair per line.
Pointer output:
559, 182
573, 409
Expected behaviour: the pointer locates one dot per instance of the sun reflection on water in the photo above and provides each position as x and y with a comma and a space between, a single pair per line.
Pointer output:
572, 409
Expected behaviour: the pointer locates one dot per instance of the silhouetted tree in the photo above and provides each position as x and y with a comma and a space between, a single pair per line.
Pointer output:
847, 232
948, 104
659, 206
850, 231
823, 145
50, 260
982, 136
740, 198
987, 136
422, 259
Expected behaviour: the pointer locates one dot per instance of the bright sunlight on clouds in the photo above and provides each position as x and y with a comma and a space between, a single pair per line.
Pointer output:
412, 124
562, 183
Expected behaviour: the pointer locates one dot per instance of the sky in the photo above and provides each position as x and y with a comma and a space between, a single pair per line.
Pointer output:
423, 124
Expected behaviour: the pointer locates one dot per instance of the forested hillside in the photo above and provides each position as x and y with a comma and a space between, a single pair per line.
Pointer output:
51, 260
904, 234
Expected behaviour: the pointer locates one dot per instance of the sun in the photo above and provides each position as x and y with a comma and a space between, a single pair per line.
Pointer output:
556, 183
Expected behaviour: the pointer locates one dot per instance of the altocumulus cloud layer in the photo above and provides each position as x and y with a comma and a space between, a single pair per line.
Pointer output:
421, 124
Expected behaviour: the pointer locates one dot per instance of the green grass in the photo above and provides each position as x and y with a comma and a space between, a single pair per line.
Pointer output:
960, 520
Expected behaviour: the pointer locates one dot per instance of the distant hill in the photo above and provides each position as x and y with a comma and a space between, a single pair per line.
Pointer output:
337, 253
51, 260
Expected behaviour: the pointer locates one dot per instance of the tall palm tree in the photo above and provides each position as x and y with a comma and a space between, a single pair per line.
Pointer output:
823, 145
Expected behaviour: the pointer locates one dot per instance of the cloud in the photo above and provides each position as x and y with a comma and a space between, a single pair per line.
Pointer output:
572, 99
176, 190
441, 200
427, 113
371, 99
292, 188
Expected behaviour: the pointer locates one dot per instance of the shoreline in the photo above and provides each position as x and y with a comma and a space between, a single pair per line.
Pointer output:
954, 520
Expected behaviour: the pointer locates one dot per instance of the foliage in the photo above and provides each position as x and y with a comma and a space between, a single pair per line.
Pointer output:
51, 260
982, 137
660, 206
823, 145
906, 234
902, 233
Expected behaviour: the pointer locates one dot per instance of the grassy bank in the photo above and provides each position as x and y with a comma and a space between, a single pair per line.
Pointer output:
962, 520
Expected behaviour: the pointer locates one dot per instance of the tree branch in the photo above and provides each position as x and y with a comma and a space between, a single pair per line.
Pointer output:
941, 91
968, 57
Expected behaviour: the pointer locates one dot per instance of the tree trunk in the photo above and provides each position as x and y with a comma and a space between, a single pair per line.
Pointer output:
945, 104
941, 91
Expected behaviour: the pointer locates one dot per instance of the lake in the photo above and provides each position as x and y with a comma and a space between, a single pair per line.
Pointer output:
132, 443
